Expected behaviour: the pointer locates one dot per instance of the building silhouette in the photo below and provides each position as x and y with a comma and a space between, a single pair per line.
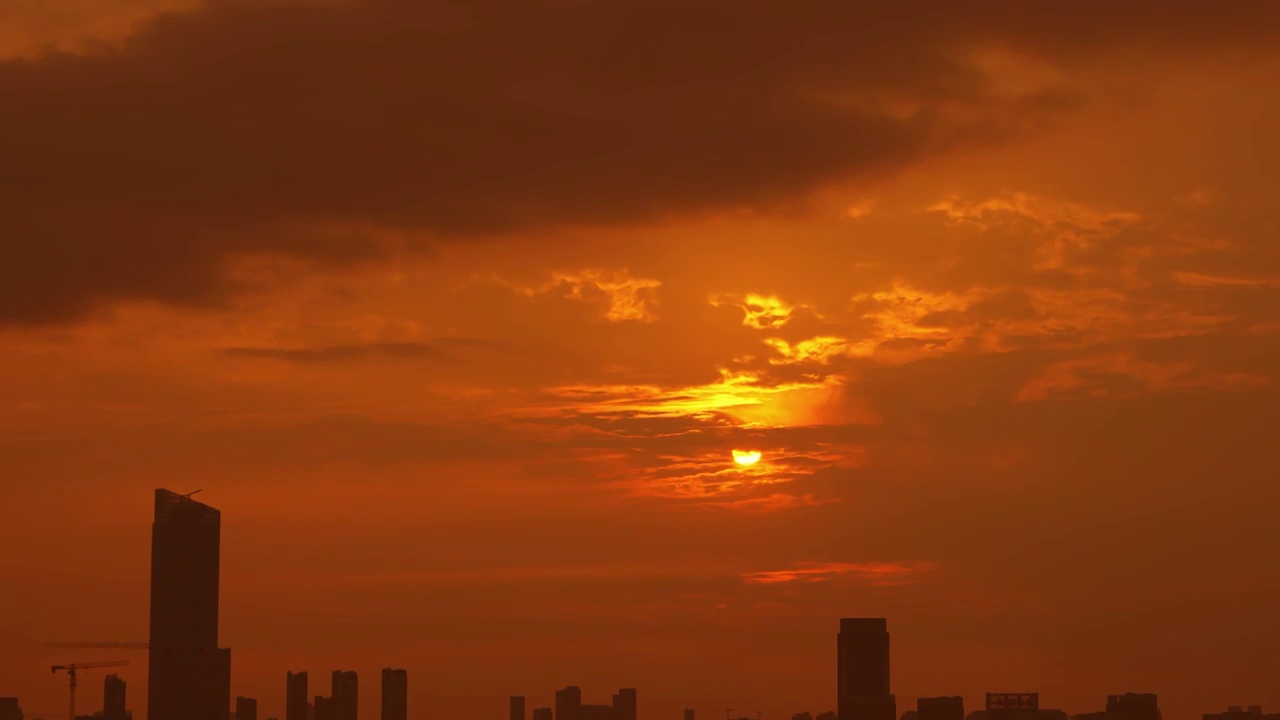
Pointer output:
295, 698
569, 703
1134, 706
395, 694
246, 708
688, 714
624, 705
1012, 706
189, 676
1015, 706
940, 708
324, 709
9, 709
862, 670
113, 699
1236, 712
517, 707
542, 713
345, 696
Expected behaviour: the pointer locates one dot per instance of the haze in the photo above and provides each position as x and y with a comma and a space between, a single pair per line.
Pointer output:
459, 312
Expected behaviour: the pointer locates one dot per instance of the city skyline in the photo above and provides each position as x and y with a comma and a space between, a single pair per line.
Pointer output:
632, 344
195, 683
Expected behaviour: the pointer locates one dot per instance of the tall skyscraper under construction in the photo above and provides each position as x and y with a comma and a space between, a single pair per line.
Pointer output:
189, 676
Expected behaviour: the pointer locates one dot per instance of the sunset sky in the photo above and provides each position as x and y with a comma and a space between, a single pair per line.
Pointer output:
459, 310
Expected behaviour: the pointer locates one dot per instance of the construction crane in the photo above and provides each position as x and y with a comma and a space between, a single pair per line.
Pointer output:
100, 645
71, 675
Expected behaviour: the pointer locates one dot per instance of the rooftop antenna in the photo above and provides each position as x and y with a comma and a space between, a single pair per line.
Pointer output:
193, 492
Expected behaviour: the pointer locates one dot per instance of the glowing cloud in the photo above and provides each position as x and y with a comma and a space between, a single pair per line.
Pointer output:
818, 349
629, 298
874, 573
762, 312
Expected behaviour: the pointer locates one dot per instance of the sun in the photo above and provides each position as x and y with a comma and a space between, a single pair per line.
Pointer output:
746, 457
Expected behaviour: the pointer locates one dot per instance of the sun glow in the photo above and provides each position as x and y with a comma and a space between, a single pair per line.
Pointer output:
746, 457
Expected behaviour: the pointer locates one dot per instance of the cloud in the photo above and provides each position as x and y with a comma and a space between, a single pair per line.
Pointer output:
346, 131
1120, 373
1195, 279
762, 312
628, 298
438, 349
875, 573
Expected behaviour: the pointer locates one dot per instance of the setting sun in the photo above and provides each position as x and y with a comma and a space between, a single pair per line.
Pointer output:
746, 457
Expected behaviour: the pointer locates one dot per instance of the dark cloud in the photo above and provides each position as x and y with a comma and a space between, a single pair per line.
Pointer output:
252, 127
436, 350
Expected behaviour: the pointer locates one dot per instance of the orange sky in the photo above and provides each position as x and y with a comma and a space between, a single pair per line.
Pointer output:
457, 311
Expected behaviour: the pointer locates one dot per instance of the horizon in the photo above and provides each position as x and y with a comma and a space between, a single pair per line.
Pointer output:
272, 704
631, 343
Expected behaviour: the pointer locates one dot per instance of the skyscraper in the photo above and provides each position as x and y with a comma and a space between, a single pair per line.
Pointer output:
295, 698
395, 694
624, 704
517, 707
542, 713
246, 708
688, 714
9, 709
113, 698
189, 676
862, 670
345, 696
568, 703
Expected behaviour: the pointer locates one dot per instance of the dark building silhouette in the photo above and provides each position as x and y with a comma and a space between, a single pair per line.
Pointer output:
568, 703
624, 705
189, 676
1236, 712
345, 696
806, 715
324, 709
1104, 715
1001, 706
940, 708
542, 713
862, 670
9, 709
688, 714
295, 698
113, 699
246, 708
1015, 706
517, 707
1134, 706
395, 694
